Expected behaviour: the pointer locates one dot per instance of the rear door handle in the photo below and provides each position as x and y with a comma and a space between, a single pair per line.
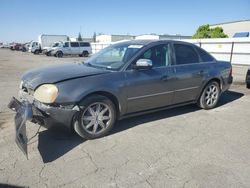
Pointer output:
200, 72
165, 78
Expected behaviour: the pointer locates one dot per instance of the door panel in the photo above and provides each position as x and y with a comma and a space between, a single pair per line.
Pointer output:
189, 73
188, 81
149, 89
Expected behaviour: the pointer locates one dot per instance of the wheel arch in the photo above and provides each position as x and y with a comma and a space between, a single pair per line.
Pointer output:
110, 96
218, 80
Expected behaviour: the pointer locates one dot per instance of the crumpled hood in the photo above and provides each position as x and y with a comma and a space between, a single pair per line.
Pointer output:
52, 74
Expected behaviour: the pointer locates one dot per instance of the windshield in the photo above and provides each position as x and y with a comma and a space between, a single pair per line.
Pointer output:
115, 56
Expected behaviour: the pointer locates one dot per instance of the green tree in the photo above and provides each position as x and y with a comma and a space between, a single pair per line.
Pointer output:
79, 37
217, 32
204, 31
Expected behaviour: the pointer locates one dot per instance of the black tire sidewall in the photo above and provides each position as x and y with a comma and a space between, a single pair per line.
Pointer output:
202, 102
86, 103
85, 54
59, 54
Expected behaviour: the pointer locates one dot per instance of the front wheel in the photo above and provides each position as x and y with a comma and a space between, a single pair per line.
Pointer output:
210, 96
97, 117
59, 54
248, 86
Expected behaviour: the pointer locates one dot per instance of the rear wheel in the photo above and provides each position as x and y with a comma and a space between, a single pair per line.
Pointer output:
210, 96
97, 117
85, 53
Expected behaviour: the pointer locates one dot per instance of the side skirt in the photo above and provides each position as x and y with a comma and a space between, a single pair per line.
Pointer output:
155, 110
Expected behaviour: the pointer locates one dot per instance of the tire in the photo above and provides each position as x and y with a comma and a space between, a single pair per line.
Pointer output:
36, 52
48, 53
209, 96
97, 117
85, 54
59, 54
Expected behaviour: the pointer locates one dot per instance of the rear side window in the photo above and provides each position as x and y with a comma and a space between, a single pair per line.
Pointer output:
205, 57
185, 54
84, 44
74, 44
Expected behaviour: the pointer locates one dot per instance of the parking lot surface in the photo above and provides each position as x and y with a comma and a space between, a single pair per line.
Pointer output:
182, 147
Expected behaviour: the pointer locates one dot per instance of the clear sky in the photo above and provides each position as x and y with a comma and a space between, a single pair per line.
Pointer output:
24, 20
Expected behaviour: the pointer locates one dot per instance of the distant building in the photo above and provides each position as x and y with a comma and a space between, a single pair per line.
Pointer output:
175, 37
113, 38
162, 37
147, 37
74, 39
239, 28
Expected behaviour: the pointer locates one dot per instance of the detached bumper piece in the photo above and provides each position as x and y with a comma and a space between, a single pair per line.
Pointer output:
23, 113
41, 114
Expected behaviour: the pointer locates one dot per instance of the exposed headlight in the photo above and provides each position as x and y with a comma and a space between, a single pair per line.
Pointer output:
46, 93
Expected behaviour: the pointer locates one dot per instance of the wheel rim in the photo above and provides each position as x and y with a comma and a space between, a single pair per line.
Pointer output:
211, 95
85, 54
59, 54
96, 118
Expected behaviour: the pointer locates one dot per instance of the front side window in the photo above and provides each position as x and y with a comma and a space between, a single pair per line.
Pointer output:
185, 54
115, 56
159, 55
66, 45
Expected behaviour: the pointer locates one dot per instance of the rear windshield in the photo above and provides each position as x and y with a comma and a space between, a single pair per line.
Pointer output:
205, 57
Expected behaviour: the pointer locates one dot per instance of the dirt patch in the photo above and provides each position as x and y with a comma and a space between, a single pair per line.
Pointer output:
5, 119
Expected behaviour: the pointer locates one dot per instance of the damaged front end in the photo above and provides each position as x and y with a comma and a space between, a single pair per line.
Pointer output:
23, 113
36, 112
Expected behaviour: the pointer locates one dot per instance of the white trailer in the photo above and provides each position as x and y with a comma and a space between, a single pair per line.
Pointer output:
46, 41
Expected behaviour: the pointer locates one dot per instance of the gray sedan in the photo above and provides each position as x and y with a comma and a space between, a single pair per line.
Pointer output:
123, 80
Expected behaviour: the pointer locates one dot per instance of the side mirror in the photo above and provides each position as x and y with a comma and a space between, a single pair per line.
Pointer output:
143, 64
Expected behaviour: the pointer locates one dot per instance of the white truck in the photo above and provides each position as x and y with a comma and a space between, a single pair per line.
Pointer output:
45, 42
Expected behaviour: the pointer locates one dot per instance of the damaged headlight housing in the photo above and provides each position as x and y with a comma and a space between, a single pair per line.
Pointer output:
46, 93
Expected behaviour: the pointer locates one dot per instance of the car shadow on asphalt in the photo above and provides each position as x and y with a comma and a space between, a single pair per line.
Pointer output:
54, 143
226, 98
10, 186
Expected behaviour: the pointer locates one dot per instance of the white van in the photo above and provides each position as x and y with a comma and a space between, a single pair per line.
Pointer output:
72, 48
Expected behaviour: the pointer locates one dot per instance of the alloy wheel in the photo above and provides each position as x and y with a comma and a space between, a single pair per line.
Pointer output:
211, 95
96, 118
